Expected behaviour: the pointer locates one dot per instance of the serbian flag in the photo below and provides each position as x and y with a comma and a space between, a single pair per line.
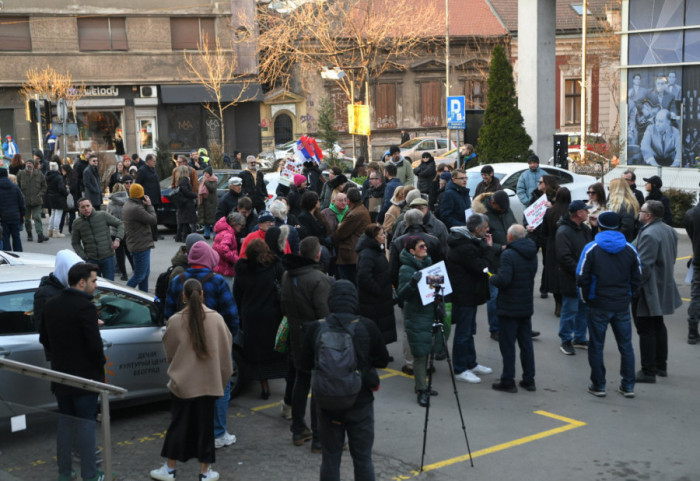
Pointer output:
307, 150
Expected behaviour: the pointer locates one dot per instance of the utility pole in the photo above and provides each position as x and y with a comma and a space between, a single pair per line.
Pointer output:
447, 60
584, 31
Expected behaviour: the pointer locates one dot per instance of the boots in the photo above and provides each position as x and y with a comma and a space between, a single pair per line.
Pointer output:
56, 234
40, 237
51, 232
693, 335
557, 308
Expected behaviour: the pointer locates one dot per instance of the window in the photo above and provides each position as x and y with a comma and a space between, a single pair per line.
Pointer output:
190, 33
340, 108
96, 129
101, 33
426, 145
475, 94
562, 177
442, 143
385, 106
14, 34
120, 310
16, 313
431, 103
572, 102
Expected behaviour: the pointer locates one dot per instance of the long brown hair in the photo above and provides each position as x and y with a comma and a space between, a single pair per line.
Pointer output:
194, 311
259, 252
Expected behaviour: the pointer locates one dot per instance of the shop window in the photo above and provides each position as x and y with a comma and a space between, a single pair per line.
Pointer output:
431, 103
14, 34
96, 129
572, 102
102, 33
190, 33
385, 106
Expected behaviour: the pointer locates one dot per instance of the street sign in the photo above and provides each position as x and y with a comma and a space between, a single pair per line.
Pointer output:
358, 119
455, 113
71, 129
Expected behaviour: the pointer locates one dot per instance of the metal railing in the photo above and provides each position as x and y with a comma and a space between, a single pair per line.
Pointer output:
104, 390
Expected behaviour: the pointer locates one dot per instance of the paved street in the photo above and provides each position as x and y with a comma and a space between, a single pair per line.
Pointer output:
558, 433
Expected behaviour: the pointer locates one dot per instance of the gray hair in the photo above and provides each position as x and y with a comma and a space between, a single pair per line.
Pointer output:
249, 158
413, 217
278, 209
411, 196
53, 166
655, 208
235, 218
475, 221
516, 232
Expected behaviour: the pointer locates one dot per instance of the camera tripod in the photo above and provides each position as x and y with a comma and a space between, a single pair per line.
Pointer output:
439, 328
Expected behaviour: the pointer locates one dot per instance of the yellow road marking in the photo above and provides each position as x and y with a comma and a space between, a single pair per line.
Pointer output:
684, 299
683, 258
570, 424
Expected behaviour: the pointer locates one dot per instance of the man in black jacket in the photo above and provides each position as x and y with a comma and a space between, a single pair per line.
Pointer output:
254, 184
470, 252
571, 237
692, 227
229, 202
358, 420
516, 282
73, 339
631, 180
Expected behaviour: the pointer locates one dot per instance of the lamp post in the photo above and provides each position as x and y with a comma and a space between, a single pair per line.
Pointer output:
584, 29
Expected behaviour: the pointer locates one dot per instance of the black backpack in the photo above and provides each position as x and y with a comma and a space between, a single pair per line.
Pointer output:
336, 379
161, 293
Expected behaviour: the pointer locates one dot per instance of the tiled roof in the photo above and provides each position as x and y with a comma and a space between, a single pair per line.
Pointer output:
467, 18
566, 17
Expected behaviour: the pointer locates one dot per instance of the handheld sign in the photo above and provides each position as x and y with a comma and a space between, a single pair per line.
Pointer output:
434, 275
534, 215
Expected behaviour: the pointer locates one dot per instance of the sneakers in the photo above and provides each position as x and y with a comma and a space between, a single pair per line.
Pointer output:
100, 476
163, 474
468, 376
68, 477
286, 411
479, 369
227, 439
210, 475
625, 392
581, 344
597, 392
301, 438
567, 348
501, 386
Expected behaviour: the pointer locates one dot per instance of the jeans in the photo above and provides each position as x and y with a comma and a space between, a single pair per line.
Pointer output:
142, 269
55, 219
573, 320
598, 320
653, 343
300, 392
71, 217
491, 306
76, 422
10, 231
520, 329
106, 267
463, 351
207, 230
221, 411
358, 423
33, 213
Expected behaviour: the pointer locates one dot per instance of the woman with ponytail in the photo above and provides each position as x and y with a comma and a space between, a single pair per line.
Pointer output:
197, 345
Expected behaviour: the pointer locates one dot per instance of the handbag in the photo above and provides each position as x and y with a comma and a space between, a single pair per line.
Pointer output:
176, 197
70, 202
282, 337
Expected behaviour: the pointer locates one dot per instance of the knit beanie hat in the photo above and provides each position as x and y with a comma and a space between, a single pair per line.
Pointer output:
202, 254
342, 297
299, 179
192, 239
136, 191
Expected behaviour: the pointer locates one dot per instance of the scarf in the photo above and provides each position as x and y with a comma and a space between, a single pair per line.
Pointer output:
203, 192
339, 215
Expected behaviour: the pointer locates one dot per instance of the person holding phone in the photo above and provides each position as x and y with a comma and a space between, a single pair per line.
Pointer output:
138, 216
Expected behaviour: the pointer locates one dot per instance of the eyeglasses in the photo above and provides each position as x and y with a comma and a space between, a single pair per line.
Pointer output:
458, 178
590, 192
540, 182
374, 178
128, 182
421, 246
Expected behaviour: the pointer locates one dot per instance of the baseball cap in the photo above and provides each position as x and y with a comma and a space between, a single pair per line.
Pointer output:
655, 180
577, 205
235, 181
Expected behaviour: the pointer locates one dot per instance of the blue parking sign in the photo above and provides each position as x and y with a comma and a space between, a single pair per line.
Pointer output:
456, 112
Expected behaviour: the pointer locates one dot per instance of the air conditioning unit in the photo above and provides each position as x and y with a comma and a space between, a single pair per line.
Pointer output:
148, 91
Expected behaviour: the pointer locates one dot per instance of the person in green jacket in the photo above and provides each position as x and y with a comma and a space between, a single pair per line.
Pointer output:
418, 319
33, 185
91, 238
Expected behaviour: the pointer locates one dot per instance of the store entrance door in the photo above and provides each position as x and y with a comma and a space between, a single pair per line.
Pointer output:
146, 133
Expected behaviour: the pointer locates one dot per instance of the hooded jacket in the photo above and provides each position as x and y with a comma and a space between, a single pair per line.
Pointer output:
226, 246
374, 286
115, 206
426, 173
435, 250
570, 240
453, 203
467, 257
33, 186
404, 171
609, 272
516, 279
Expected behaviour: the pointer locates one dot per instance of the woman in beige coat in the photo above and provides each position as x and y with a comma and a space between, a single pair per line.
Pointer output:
197, 345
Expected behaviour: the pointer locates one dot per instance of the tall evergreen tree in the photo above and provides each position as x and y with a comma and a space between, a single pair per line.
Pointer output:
502, 138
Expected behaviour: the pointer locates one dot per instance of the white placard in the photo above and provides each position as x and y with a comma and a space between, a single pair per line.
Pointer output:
534, 215
18, 423
290, 169
438, 270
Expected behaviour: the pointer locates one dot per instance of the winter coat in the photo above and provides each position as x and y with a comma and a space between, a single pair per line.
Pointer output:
259, 234
310, 226
374, 287
435, 250
418, 319
56, 190
79, 169
629, 223
115, 206
390, 218
691, 220
657, 245
49, 287
426, 173
91, 237
325, 195
187, 211
331, 215
33, 187
116, 178
516, 279
138, 219
569, 243
548, 235
227, 204
499, 222
257, 297
433, 226
293, 237
12, 205
73, 184
304, 297
373, 199
391, 186
226, 246
254, 187
294, 200
206, 210
149, 180
656, 194
313, 177
527, 183
609, 272
494, 186
349, 232
179, 262
92, 186
454, 202
467, 257
404, 171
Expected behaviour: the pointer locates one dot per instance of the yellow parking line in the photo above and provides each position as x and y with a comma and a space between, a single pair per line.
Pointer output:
684, 299
683, 258
570, 424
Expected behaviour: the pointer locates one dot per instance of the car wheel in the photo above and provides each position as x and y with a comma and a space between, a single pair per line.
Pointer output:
237, 378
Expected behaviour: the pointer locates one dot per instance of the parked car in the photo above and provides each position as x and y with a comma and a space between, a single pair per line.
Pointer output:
413, 149
26, 258
508, 174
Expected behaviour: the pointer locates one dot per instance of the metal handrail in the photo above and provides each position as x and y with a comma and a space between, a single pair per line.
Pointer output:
75, 381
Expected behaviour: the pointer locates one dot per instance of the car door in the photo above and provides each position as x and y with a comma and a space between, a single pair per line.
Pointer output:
132, 338
426, 146
442, 147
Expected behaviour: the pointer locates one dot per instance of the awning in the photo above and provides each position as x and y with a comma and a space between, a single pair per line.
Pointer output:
197, 94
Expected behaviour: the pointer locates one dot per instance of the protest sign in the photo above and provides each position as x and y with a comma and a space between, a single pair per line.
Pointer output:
534, 215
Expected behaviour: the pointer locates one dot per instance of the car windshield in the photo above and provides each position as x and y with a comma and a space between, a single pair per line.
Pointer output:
409, 144
473, 179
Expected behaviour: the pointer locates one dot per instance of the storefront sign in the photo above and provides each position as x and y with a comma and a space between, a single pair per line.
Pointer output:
102, 91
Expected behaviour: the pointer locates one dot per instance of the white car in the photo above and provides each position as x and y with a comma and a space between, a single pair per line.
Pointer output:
413, 149
26, 258
508, 174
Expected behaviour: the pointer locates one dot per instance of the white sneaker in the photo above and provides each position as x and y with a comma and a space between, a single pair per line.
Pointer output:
286, 411
162, 474
210, 476
468, 376
227, 439
479, 369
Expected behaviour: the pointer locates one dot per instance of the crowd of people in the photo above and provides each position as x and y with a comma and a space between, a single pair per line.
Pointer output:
328, 250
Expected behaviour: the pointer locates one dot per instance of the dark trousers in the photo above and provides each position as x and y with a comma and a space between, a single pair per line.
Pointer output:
300, 393
71, 217
653, 343
76, 425
358, 423
348, 272
10, 233
289, 382
154, 229
512, 329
